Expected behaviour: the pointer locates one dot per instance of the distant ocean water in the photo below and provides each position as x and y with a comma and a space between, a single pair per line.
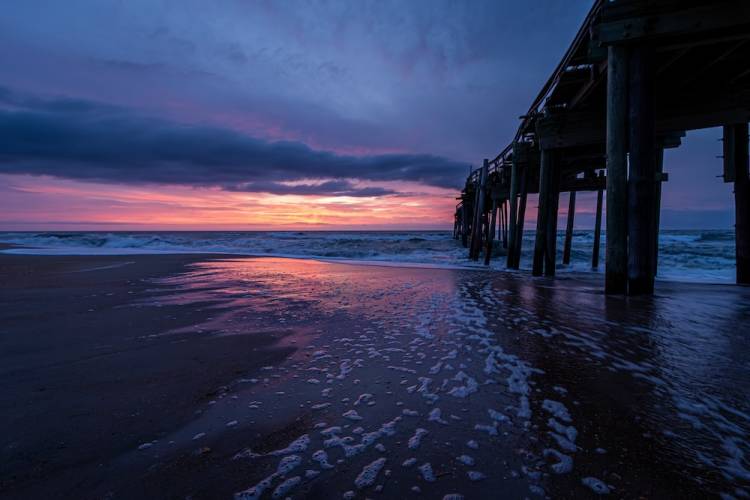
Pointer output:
694, 255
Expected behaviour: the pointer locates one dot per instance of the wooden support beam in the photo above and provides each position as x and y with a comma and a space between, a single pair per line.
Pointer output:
597, 231
727, 107
641, 184
485, 229
505, 224
569, 227
617, 170
475, 220
657, 204
568, 129
518, 247
502, 223
594, 184
716, 17
464, 225
491, 234
739, 141
513, 200
696, 74
588, 88
678, 54
476, 245
543, 211
730, 160
550, 250
739, 76
692, 43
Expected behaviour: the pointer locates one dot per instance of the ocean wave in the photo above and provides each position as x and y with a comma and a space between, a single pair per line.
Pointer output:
717, 236
683, 255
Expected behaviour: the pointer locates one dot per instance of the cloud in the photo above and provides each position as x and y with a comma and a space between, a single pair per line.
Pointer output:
85, 140
328, 188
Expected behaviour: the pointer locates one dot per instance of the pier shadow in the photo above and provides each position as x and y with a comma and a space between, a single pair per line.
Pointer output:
658, 384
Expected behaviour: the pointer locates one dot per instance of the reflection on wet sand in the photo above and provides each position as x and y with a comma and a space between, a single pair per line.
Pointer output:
454, 382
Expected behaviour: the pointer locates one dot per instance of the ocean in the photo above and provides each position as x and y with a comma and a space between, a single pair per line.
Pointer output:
684, 255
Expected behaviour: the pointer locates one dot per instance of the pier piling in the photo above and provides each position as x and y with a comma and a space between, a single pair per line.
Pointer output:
505, 225
569, 227
641, 189
521, 220
553, 208
736, 145
476, 243
597, 230
657, 205
491, 234
514, 181
617, 171
541, 240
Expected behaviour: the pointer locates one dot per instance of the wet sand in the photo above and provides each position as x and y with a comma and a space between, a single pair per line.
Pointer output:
200, 376
86, 375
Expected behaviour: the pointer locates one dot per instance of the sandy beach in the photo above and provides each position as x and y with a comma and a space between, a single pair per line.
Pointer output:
206, 377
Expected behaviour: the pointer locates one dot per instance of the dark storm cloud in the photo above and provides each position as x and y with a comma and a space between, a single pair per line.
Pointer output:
84, 140
328, 188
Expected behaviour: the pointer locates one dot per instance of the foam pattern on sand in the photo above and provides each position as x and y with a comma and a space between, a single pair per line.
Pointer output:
387, 375
437, 372
440, 351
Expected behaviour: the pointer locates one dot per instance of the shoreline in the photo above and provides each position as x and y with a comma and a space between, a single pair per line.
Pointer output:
563, 274
701, 256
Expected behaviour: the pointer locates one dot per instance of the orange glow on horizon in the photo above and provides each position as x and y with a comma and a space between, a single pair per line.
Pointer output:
49, 203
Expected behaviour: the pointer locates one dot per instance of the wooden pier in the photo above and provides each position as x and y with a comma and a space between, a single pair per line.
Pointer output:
638, 75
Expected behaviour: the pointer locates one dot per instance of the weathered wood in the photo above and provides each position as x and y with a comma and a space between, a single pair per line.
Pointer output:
482, 189
617, 171
459, 222
657, 205
597, 230
593, 184
716, 17
505, 224
464, 225
569, 227
513, 200
730, 161
641, 237
474, 219
491, 234
540, 243
575, 129
696, 74
521, 219
553, 206
485, 229
501, 221
742, 203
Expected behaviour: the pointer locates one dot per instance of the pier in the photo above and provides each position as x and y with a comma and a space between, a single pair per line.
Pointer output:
637, 76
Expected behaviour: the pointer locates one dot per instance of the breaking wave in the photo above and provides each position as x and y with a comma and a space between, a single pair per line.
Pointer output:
700, 255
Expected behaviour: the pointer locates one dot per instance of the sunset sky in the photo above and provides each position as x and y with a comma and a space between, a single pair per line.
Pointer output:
236, 114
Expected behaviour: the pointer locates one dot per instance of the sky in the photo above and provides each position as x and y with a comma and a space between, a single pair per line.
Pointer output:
237, 114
